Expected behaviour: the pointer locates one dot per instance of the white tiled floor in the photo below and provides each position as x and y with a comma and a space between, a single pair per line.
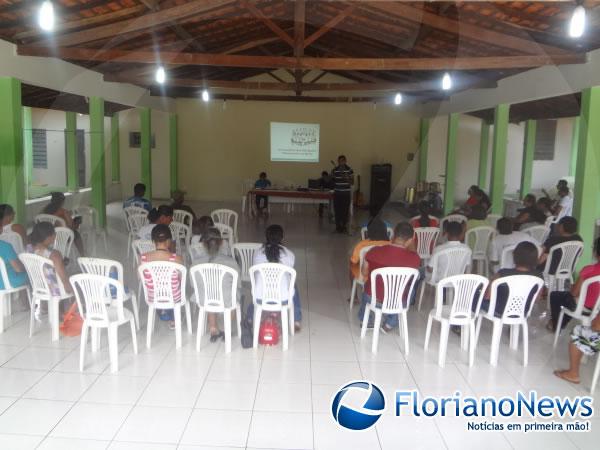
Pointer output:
171, 399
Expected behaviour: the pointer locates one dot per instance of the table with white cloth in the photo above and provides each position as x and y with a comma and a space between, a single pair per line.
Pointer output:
290, 197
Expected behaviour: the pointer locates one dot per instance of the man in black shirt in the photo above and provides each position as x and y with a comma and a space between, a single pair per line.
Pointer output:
343, 179
566, 231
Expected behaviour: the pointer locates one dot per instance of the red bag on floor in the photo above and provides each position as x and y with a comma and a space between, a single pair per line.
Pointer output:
72, 322
268, 334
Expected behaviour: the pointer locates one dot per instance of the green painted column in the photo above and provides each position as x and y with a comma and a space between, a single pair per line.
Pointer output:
146, 149
12, 173
450, 163
587, 183
72, 157
173, 152
499, 157
574, 147
115, 149
484, 140
528, 151
423, 149
98, 178
27, 147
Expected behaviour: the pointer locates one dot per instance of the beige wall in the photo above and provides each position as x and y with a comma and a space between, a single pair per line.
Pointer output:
221, 145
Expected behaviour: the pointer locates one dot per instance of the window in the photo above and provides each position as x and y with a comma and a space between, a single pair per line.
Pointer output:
135, 140
40, 149
544, 140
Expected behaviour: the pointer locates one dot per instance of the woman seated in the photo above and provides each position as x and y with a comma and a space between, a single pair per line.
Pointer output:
477, 217
163, 242
424, 219
56, 207
529, 215
376, 235
201, 226
162, 215
14, 269
568, 299
212, 243
199, 231
7, 217
274, 252
41, 241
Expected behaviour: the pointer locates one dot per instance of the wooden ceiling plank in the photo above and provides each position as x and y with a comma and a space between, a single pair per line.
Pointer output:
329, 25
250, 44
268, 22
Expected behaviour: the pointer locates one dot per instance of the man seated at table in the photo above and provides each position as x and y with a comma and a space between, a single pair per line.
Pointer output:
262, 201
395, 254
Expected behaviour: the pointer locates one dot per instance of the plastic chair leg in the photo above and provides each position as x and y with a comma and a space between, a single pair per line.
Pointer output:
596, 374
31, 318
421, 291
558, 327
53, 311
200, 330
525, 344
472, 343
238, 318
376, 327
2, 299
149, 326
353, 293
291, 317
227, 326
133, 337
113, 348
257, 316
365, 321
428, 332
136, 314
404, 323
284, 327
177, 314
82, 345
495, 345
188, 318
443, 343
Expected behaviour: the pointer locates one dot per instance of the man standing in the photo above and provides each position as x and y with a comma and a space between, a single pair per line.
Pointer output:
343, 179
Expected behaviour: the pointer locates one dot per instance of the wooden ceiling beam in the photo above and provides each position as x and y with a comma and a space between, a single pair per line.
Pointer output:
463, 29
147, 21
268, 22
249, 44
329, 25
287, 62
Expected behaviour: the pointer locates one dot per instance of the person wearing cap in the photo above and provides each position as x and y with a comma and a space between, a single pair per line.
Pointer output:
56, 207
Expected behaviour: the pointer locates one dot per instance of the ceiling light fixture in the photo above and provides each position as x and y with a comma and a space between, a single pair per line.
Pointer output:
46, 16
161, 75
446, 82
398, 99
577, 23
205, 95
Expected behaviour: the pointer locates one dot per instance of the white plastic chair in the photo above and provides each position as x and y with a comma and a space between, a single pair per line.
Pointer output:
520, 289
538, 232
581, 313
7, 292
446, 263
50, 218
227, 233
452, 218
184, 217
92, 292
365, 235
419, 216
507, 256
227, 217
181, 234
359, 281
244, 255
247, 186
493, 219
426, 239
478, 238
273, 284
570, 252
90, 227
129, 211
140, 246
161, 274
114, 270
13, 239
135, 222
210, 297
398, 285
64, 241
463, 290
41, 290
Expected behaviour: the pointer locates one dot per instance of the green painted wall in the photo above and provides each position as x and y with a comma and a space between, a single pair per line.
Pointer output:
499, 158
72, 156
450, 163
98, 179
483, 155
115, 149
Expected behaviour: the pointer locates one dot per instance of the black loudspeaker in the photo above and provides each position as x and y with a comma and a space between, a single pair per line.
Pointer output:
381, 186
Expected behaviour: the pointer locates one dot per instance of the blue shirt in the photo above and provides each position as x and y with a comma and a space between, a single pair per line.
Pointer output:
262, 184
7, 254
137, 201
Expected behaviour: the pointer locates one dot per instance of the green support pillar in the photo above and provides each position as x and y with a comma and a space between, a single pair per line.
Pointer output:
98, 179
484, 140
450, 163
499, 157
173, 152
587, 184
528, 151
574, 147
115, 149
27, 148
146, 155
423, 149
12, 173
72, 157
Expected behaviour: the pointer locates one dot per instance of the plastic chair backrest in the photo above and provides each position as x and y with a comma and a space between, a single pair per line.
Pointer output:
4, 277
89, 216
361, 257
478, 238
398, 286
244, 255
182, 216
227, 217
537, 232
364, 234
131, 210
40, 285
412, 219
583, 293
549, 221
94, 292
466, 288
141, 246
426, 238
507, 257
104, 267
137, 221
160, 275
273, 276
227, 233
450, 261
50, 218
520, 288
64, 241
570, 252
212, 291
181, 235
452, 218
13, 239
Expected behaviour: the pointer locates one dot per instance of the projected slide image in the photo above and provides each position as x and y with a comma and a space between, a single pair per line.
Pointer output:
294, 142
